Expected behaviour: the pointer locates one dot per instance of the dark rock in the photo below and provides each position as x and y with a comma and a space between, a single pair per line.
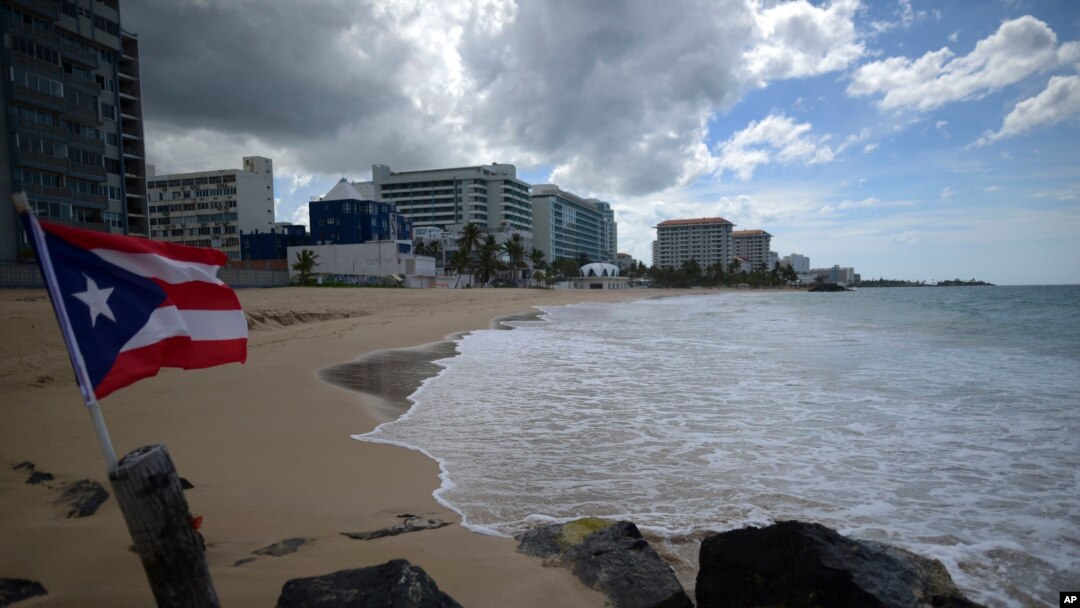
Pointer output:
395, 584
18, 589
412, 523
185, 484
241, 562
827, 287
37, 477
802, 564
612, 558
26, 464
83, 498
284, 547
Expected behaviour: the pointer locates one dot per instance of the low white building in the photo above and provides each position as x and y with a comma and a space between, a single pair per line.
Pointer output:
369, 263
599, 275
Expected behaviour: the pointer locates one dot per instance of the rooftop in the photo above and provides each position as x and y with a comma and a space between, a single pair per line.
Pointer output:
701, 220
750, 233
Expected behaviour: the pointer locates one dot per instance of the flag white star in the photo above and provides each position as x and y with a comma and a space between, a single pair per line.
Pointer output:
97, 299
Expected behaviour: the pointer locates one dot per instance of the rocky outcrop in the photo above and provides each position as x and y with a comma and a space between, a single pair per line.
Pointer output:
283, 547
83, 498
802, 564
395, 584
410, 523
18, 589
610, 557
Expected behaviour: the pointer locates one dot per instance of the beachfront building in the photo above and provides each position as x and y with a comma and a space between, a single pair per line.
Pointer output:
490, 196
798, 263
625, 262
707, 240
565, 226
599, 275
836, 274
273, 245
344, 217
754, 246
774, 260
72, 124
372, 263
211, 208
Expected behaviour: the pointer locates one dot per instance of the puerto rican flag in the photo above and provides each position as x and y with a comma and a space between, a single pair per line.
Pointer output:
135, 305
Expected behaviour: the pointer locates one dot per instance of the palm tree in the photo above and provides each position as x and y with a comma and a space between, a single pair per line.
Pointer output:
515, 250
459, 262
536, 256
306, 261
471, 238
488, 260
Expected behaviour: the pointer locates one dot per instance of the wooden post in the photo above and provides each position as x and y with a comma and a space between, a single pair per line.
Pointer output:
148, 490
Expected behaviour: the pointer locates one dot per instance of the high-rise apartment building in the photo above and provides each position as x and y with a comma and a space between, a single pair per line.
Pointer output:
488, 195
73, 121
798, 263
754, 246
566, 225
211, 208
707, 240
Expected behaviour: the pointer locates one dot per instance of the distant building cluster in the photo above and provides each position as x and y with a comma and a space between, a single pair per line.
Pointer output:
76, 148
713, 240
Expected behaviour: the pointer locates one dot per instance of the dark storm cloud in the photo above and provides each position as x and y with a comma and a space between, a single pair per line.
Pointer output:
287, 69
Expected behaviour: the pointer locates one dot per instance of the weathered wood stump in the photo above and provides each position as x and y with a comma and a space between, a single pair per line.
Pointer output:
148, 490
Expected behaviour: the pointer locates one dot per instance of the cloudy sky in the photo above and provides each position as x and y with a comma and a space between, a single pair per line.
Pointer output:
907, 138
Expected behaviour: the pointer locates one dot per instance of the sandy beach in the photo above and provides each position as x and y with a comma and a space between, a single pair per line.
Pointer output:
267, 446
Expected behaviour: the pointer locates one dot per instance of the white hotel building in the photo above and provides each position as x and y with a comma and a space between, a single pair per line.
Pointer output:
707, 240
211, 208
754, 246
488, 195
566, 225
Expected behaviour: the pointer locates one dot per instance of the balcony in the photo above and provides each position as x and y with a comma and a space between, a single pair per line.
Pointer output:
80, 112
53, 194
38, 66
92, 143
90, 86
37, 128
87, 171
36, 34
50, 9
42, 161
83, 57
84, 199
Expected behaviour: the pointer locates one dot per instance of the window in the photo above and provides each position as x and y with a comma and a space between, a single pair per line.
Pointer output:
37, 51
37, 83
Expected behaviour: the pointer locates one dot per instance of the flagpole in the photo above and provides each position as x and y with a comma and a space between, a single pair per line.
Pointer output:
77, 363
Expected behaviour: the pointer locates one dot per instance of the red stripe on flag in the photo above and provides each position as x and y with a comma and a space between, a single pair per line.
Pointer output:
89, 239
183, 352
198, 295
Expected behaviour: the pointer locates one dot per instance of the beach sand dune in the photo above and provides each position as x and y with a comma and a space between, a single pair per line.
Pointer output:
267, 446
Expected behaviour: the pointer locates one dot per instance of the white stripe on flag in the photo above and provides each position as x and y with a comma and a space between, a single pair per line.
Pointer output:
169, 322
160, 267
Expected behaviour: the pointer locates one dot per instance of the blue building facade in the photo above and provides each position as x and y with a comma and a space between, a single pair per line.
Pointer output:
351, 221
272, 245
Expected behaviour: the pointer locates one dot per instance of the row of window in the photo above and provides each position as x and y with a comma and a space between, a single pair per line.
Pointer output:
177, 195
180, 220
65, 211
36, 82
52, 180
36, 50
192, 181
178, 207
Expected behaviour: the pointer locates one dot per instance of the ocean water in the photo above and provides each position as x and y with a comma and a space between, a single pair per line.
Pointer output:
944, 420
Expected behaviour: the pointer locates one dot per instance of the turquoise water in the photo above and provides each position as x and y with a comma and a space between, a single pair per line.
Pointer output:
945, 420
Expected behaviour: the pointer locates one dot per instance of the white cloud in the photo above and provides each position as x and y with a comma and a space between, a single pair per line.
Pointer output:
908, 237
797, 39
946, 193
775, 138
299, 181
905, 15
1060, 101
953, 37
868, 148
1020, 47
